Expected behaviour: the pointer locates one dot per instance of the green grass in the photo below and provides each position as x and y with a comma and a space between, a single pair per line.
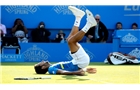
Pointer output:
114, 74
106, 74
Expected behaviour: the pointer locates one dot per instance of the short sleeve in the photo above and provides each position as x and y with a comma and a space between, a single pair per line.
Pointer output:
52, 70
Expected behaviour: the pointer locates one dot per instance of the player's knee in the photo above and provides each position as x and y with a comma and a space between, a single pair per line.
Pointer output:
70, 41
66, 39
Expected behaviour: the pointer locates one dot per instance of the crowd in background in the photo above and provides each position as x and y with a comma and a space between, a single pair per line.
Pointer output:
97, 34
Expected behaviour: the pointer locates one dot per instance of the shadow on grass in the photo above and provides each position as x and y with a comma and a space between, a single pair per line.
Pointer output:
69, 77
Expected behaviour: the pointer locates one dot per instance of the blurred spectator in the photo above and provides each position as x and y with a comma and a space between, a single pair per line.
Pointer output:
60, 37
3, 31
20, 31
134, 26
98, 33
40, 34
118, 27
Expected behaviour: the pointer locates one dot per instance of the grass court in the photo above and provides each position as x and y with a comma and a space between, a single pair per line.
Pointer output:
106, 74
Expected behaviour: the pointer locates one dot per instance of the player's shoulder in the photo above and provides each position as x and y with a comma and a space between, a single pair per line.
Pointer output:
50, 68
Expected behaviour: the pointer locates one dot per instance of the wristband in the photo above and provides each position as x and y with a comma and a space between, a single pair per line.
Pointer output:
85, 69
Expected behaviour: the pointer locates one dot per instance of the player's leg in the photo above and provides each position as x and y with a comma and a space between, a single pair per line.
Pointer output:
72, 41
78, 16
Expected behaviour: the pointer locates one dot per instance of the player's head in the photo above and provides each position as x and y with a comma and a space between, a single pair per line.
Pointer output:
42, 67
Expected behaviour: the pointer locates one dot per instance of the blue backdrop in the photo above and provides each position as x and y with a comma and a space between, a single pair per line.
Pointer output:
127, 41
61, 17
54, 52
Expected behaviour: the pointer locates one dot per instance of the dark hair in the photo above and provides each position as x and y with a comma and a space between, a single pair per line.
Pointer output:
118, 23
41, 23
39, 70
15, 22
135, 24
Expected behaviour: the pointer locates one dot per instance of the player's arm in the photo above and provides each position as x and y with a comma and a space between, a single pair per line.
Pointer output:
54, 70
79, 72
64, 72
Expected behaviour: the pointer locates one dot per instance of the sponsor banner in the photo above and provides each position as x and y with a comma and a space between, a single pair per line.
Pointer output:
12, 58
56, 52
59, 16
35, 54
129, 36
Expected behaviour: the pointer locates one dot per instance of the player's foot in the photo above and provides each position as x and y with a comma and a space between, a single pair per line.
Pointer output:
90, 18
77, 12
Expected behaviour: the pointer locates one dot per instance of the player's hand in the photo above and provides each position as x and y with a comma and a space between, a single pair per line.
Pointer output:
91, 70
81, 72
21, 24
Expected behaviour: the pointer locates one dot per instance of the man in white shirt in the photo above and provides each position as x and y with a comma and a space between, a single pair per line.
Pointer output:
3, 31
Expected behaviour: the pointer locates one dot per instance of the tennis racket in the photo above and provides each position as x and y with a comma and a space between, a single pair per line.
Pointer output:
31, 78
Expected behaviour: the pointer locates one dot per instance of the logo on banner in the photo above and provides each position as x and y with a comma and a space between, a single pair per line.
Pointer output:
63, 9
21, 9
91, 55
35, 54
135, 52
129, 38
132, 10
11, 58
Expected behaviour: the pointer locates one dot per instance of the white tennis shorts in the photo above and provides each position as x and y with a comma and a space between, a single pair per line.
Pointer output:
80, 57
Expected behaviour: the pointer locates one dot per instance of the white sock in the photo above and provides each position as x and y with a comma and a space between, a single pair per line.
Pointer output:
77, 21
86, 27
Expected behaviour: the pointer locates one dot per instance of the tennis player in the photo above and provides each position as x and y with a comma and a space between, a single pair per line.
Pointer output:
77, 66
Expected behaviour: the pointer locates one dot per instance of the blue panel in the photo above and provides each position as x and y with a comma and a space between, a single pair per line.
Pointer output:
54, 52
128, 36
127, 41
61, 17
12, 58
